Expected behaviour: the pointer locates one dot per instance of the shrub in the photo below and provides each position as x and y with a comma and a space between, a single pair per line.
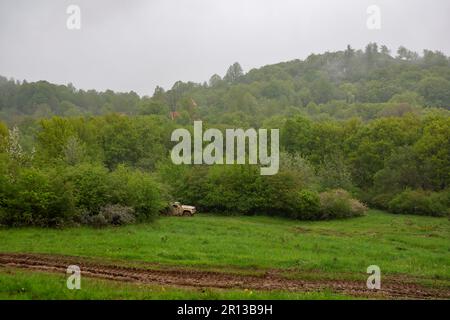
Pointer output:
421, 202
334, 173
65, 194
184, 183
231, 189
138, 190
97, 188
279, 193
118, 215
91, 184
308, 205
110, 215
357, 207
380, 201
339, 204
239, 189
36, 197
97, 221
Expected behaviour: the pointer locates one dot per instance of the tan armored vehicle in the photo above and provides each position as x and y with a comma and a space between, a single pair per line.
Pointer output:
178, 209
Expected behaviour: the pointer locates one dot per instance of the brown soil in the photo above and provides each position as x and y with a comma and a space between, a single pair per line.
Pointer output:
397, 288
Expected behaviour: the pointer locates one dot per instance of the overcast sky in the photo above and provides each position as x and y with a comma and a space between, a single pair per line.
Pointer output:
138, 44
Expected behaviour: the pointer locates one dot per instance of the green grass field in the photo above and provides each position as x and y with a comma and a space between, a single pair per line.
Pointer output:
17, 284
418, 247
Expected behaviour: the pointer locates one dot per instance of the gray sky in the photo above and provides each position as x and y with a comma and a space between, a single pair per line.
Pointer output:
137, 44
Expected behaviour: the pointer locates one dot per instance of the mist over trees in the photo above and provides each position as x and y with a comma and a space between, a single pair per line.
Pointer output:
339, 84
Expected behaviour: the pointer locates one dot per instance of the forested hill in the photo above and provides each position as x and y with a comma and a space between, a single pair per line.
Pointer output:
353, 125
365, 83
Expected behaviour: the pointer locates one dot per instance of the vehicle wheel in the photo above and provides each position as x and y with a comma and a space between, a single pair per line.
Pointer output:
187, 213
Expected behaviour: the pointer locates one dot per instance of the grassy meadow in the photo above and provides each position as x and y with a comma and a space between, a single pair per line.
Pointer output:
399, 244
22, 285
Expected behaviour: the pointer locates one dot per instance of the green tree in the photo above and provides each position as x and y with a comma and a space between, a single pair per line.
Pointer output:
52, 137
3, 136
296, 135
234, 73
214, 80
436, 91
433, 150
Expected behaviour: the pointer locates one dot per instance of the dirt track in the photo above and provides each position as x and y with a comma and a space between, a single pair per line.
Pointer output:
398, 288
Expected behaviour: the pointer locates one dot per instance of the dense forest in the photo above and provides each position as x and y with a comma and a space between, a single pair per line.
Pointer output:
358, 128
344, 84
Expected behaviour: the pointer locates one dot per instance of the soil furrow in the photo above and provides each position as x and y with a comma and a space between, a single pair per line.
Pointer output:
397, 288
